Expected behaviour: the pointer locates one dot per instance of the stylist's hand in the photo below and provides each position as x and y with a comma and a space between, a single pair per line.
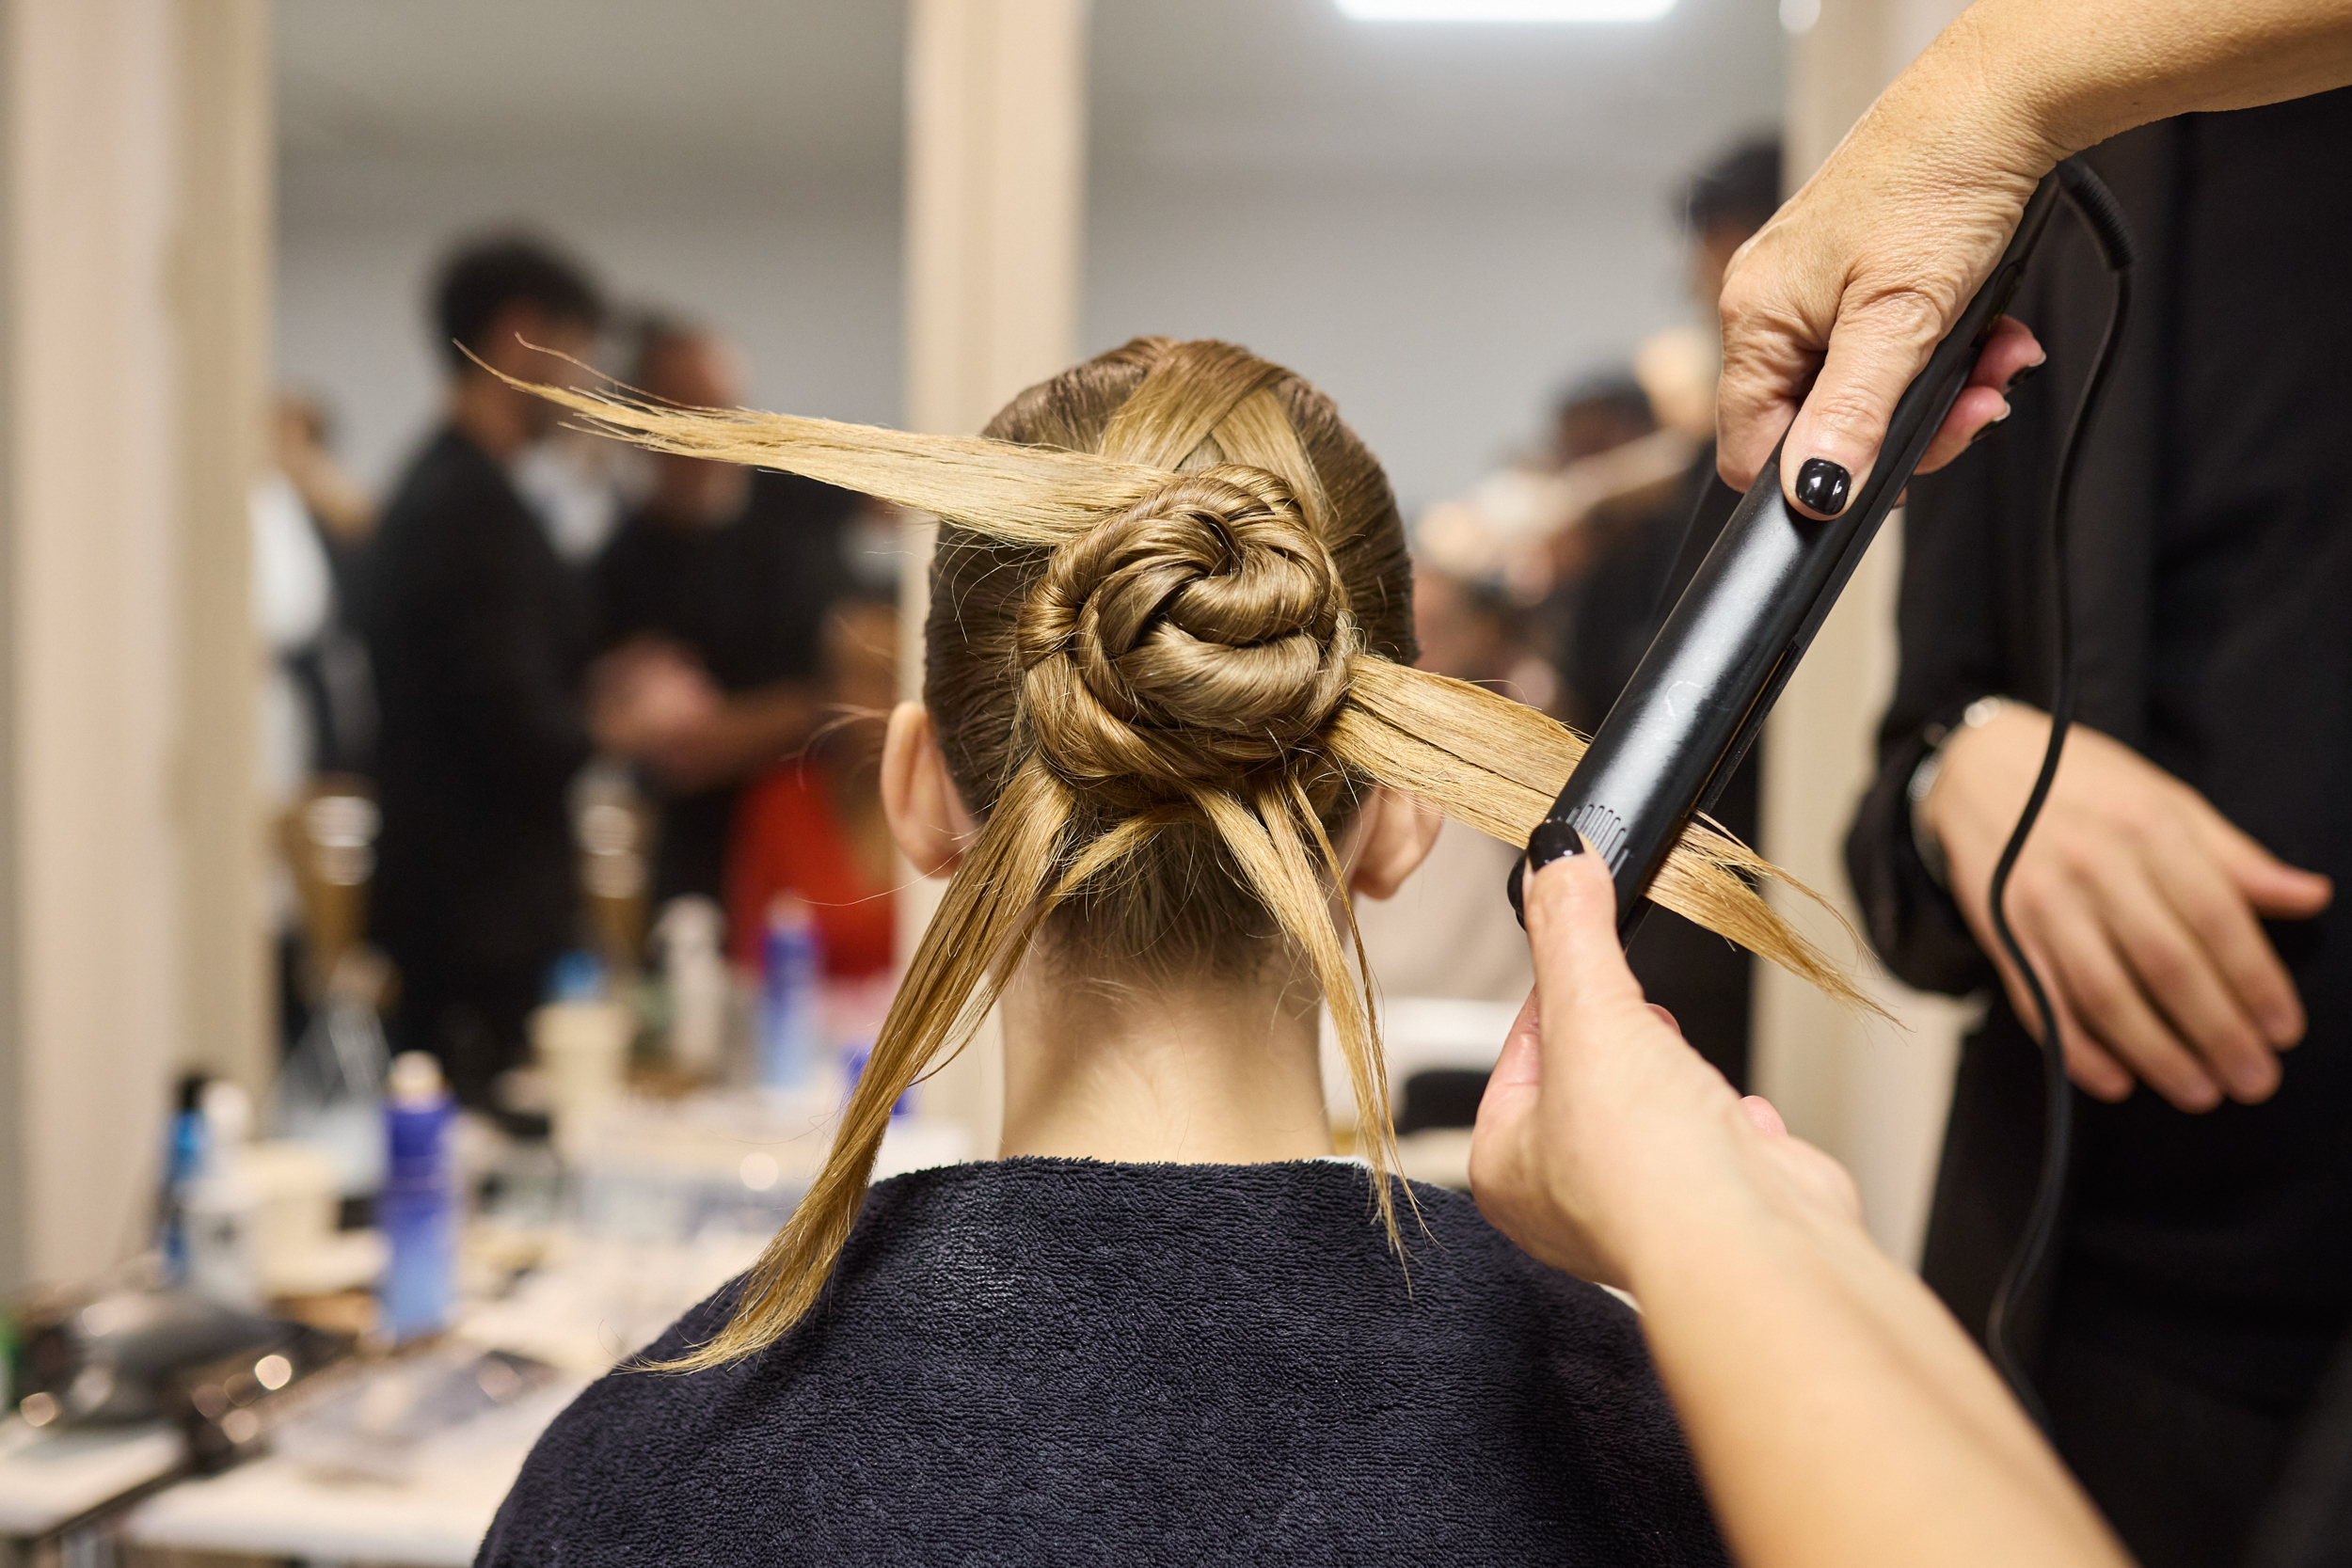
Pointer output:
1833, 308
1602, 1132
2138, 902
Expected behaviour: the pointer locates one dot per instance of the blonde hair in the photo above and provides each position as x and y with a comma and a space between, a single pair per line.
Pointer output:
1169, 647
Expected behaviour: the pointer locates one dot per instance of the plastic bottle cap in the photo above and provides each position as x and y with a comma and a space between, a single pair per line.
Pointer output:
227, 1112
577, 976
691, 921
415, 1079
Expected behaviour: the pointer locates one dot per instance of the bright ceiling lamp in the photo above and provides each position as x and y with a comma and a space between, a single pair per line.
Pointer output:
1505, 10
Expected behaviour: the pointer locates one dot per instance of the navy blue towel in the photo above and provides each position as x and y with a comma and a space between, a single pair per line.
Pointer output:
1068, 1361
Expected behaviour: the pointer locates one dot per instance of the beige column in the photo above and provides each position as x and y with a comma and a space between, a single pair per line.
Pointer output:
134, 231
995, 181
1872, 1092
220, 284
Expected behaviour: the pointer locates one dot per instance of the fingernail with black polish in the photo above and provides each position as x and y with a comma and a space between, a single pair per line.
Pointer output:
2025, 375
1822, 486
1992, 424
1552, 840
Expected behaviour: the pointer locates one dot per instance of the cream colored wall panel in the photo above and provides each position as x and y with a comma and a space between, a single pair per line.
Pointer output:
133, 400
996, 171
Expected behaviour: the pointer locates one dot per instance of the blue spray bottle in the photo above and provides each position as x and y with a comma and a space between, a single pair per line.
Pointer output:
417, 1210
791, 1026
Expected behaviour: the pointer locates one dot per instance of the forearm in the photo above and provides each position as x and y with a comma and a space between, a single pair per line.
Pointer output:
1835, 1408
750, 730
760, 727
2025, 82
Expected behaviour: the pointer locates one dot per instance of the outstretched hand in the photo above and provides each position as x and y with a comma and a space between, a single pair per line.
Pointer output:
1601, 1130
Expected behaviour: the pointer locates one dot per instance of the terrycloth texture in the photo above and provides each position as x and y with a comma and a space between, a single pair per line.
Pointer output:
1065, 1361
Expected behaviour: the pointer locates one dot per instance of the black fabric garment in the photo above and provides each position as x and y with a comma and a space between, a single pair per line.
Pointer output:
2307, 1522
478, 635
2212, 568
1611, 616
1065, 1361
748, 598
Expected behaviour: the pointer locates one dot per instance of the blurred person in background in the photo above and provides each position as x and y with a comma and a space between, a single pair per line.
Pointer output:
1599, 601
1648, 543
812, 826
479, 635
1597, 414
302, 444
310, 520
732, 573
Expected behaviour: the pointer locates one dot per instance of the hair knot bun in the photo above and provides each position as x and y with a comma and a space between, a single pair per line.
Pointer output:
1201, 632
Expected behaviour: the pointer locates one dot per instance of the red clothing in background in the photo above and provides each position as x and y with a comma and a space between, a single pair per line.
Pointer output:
788, 839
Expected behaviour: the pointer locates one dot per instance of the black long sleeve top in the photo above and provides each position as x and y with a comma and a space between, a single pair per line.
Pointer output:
478, 634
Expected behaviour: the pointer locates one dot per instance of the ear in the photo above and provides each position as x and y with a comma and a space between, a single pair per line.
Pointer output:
1393, 832
927, 818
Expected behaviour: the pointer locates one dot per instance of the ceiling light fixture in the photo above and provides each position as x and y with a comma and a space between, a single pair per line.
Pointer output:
1505, 10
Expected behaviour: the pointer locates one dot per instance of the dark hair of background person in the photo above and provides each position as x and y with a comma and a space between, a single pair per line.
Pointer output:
1614, 390
1741, 187
484, 276
1598, 412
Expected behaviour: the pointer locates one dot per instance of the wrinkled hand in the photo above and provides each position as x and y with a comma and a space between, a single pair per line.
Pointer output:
1833, 308
2139, 904
1602, 1131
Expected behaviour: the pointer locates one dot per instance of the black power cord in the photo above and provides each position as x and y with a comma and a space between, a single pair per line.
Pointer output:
2096, 205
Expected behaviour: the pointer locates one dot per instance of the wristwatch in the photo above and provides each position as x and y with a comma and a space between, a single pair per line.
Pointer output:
1975, 715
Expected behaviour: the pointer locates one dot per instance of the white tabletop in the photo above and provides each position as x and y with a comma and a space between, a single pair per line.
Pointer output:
47, 1477
276, 1508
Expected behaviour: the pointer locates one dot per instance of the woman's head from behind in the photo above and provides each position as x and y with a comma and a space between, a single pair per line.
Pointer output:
1196, 643
1168, 655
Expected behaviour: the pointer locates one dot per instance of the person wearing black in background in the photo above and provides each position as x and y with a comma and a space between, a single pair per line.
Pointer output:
479, 635
2175, 894
1613, 610
734, 571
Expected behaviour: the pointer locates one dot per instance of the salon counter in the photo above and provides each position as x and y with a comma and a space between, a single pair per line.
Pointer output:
275, 1507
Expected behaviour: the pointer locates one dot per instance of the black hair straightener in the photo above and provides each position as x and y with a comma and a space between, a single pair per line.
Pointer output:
1698, 700
1700, 696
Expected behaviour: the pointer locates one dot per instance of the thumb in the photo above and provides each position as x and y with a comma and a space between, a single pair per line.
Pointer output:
1581, 970
1878, 345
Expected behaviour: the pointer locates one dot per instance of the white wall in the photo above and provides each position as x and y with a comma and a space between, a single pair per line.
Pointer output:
1439, 225
1441, 314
